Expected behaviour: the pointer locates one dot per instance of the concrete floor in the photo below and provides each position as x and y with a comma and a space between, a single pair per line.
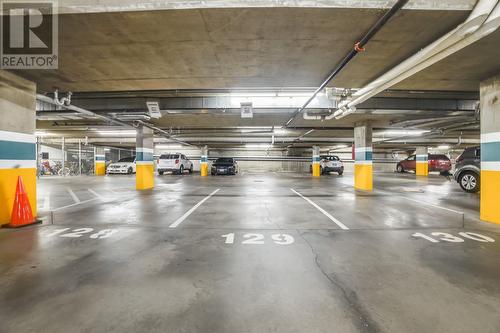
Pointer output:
284, 264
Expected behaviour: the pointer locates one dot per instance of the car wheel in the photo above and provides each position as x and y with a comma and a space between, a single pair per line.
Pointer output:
191, 169
160, 173
181, 170
400, 169
213, 173
469, 182
130, 170
340, 173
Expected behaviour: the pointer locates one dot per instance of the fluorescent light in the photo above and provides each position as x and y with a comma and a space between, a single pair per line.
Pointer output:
257, 145
279, 131
297, 94
167, 146
107, 149
403, 132
443, 147
117, 133
252, 94
40, 133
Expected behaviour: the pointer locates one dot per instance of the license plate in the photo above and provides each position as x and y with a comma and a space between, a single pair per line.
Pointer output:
221, 170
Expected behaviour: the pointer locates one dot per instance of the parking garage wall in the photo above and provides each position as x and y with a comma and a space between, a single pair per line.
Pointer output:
255, 160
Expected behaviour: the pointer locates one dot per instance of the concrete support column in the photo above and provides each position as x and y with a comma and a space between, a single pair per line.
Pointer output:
422, 156
99, 161
316, 167
363, 156
144, 177
17, 141
490, 150
204, 161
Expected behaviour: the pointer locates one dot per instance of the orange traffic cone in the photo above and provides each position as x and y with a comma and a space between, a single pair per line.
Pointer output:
22, 215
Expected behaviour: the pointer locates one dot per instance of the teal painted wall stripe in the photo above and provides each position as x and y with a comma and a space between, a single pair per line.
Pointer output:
11, 150
422, 158
363, 155
490, 152
143, 156
100, 158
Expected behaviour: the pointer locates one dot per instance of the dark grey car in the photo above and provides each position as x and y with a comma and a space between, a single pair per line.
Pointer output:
468, 169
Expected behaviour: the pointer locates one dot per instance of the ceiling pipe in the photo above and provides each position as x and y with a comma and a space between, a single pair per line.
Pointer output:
47, 99
484, 19
358, 47
63, 101
424, 121
164, 133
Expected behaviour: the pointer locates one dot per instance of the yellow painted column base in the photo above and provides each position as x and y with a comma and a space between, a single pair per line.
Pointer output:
490, 196
100, 168
204, 169
144, 177
316, 170
422, 169
363, 177
8, 184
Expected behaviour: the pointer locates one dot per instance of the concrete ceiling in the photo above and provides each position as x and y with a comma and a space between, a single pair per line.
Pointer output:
100, 6
252, 47
105, 52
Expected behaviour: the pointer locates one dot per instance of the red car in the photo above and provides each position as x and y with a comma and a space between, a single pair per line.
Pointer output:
437, 162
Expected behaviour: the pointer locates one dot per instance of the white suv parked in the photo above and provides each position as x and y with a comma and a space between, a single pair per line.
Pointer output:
177, 163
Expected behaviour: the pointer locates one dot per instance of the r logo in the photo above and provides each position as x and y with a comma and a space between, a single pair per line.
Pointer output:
29, 35
17, 28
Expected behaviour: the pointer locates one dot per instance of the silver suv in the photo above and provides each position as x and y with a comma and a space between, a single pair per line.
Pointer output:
330, 163
468, 169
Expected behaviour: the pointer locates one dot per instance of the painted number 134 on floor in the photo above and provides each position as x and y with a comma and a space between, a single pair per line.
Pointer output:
259, 239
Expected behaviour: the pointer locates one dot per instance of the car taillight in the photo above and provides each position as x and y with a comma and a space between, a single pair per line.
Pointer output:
176, 161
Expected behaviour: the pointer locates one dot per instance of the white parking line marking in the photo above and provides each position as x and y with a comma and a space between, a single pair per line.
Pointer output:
73, 195
435, 206
75, 204
337, 222
95, 193
189, 212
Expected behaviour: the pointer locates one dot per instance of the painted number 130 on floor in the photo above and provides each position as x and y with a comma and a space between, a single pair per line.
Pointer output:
259, 239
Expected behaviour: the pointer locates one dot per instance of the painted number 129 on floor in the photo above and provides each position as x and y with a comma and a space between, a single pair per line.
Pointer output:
259, 239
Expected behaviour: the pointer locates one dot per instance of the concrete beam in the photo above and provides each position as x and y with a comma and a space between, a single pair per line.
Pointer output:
100, 6
262, 102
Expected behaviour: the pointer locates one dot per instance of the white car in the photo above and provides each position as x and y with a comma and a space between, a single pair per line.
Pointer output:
330, 163
177, 163
124, 165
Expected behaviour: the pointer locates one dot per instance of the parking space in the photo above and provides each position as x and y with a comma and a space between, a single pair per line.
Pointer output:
254, 244
248, 243
250, 166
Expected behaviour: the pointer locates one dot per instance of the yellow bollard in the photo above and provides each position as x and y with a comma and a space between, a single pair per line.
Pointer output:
204, 169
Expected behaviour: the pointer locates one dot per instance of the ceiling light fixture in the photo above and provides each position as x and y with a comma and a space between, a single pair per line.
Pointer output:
403, 132
117, 133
